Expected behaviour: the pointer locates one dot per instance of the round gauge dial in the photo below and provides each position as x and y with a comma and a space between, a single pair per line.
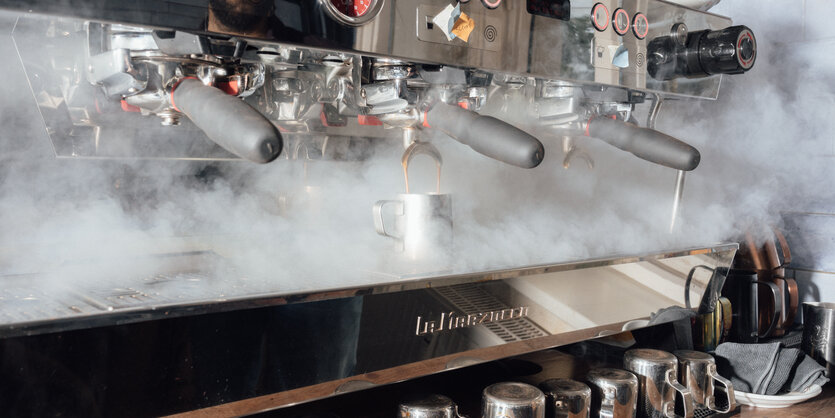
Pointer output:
640, 26
352, 8
353, 12
620, 22
600, 17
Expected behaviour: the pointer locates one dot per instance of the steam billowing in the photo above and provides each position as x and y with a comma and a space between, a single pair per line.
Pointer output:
297, 228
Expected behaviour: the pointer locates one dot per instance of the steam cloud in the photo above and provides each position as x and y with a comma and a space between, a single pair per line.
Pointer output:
760, 142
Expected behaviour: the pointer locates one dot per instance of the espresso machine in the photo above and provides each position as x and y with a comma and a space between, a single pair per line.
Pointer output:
225, 82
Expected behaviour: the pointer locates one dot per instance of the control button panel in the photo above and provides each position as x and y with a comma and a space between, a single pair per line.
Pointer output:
619, 20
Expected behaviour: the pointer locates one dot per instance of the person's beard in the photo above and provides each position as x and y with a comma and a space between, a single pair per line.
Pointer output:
241, 15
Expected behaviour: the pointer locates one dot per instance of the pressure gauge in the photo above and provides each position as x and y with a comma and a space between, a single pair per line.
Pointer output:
353, 12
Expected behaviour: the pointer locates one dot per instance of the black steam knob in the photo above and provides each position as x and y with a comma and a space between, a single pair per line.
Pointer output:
731, 50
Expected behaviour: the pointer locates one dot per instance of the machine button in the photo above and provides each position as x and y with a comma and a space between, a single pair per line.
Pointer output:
491, 4
747, 48
600, 17
679, 34
620, 22
640, 25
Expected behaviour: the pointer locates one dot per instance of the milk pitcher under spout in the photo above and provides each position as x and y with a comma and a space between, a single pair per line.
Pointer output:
422, 226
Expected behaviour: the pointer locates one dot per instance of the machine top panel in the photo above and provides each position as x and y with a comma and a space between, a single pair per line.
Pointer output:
581, 41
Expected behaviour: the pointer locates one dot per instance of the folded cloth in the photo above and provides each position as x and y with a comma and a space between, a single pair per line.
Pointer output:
749, 367
787, 359
807, 373
673, 313
767, 369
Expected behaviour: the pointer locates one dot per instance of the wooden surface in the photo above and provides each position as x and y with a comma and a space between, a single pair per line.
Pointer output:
820, 406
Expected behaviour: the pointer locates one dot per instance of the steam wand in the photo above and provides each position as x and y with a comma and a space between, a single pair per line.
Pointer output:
677, 199
680, 174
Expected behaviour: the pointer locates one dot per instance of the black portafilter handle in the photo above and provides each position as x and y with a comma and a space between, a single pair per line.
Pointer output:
487, 135
647, 144
228, 121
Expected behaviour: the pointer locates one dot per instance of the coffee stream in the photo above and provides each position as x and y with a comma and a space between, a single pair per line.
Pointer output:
425, 148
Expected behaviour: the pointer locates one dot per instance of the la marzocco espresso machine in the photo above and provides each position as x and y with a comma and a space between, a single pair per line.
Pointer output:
266, 81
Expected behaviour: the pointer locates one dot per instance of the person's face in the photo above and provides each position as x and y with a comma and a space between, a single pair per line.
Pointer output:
241, 15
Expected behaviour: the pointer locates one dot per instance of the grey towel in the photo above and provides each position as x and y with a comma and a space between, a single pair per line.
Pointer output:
767, 369
750, 367
787, 359
673, 313
807, 373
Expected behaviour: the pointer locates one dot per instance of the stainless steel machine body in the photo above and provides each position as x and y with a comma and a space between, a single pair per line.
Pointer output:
156, 79
311, 69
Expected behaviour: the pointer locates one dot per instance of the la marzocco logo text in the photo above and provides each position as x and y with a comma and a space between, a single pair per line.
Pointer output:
454, 320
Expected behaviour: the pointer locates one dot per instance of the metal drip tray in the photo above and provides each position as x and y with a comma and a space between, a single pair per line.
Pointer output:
148, 292
81, 296
23, 301
33, 304
25, 304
